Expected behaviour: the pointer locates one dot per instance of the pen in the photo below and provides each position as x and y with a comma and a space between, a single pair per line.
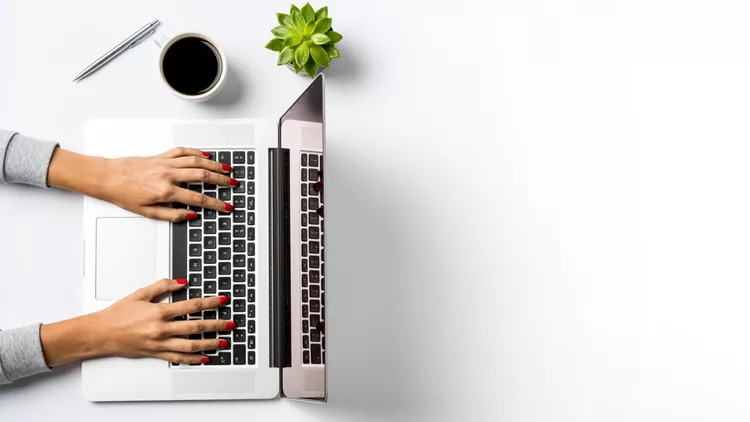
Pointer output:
120, 48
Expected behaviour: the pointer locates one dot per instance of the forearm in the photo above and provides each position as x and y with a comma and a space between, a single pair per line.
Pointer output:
70, 340
77, 173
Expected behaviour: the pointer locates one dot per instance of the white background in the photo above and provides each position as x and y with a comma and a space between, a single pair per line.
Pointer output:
537, 210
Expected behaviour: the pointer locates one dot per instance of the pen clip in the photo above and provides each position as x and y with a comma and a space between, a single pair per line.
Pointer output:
142, 37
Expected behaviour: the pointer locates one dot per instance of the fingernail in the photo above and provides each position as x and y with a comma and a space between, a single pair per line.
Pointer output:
234, 182
223, 343
320, 211
181, 281
226, 167
321, 326
224, 300
192, 216
318, 186
205, 359
229, 207
205, 154
231, 325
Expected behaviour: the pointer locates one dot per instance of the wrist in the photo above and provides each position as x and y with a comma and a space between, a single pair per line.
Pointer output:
70, 340
77, 173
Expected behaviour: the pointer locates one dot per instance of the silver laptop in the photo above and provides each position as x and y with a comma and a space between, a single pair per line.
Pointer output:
268, 256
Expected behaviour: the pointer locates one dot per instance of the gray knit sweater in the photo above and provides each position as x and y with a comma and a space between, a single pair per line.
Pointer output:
22, 160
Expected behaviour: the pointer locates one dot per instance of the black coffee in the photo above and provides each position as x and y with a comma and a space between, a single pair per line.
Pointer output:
191, 66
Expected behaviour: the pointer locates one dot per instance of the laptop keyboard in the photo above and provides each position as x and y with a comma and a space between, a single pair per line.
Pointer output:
221, 261
312, 258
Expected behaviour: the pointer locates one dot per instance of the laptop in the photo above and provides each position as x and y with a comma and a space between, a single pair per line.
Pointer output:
267, 256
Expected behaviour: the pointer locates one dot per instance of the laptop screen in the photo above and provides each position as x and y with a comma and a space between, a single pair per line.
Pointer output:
300, 248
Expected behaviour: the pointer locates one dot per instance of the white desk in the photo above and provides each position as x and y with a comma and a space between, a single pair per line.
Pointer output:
538, 209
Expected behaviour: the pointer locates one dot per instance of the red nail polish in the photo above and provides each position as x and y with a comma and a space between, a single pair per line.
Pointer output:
320, 211
231, 325
234, 182
205, 359
318, 186
226, 167
192, 216
229, 207
181, 281
224, 300
321, 326
205, 154
223, 343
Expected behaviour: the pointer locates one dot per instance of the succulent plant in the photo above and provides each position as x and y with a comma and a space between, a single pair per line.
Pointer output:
305, 39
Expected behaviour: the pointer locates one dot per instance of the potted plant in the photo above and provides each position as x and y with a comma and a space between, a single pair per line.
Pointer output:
305, 40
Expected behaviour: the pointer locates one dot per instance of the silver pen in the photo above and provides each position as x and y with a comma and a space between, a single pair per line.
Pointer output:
131, 41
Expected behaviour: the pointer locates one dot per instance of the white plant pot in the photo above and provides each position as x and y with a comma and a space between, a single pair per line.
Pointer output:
302, 72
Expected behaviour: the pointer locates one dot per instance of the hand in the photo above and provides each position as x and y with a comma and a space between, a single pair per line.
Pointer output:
135, 326
144, 185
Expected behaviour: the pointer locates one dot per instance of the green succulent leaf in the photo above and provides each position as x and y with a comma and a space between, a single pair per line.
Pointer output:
284, 19
322, 26
309, 27
302, 54
298, 21
311, 68
332, 51
334, 36
308, 12
275, 45
320, 56
322, 13
297, 67
286, 56
320, 39
292, 41
282, 32
292, 9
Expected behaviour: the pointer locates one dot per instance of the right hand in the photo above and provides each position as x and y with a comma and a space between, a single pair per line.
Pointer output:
135, 326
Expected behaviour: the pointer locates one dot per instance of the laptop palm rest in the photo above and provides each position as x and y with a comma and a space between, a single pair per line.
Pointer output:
125, 256
187, 381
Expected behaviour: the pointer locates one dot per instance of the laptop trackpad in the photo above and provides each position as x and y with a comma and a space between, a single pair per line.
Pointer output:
125, 256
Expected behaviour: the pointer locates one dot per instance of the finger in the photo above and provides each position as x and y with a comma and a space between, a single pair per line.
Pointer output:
199, 163
182, 151
181, 357
189, 197
194, 305
203, 175
174, 215
182, 345
185, 328
159, 288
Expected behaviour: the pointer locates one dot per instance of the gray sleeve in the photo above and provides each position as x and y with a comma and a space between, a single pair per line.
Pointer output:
24, 159
21, 354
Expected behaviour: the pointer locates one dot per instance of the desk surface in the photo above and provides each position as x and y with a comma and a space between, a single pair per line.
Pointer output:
538, 209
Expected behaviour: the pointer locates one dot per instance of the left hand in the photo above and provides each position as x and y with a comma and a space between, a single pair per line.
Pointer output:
144, 185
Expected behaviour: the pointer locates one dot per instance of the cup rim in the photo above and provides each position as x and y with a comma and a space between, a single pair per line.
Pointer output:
223, 59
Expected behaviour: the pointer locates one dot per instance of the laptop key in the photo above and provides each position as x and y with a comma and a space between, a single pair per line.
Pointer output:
209, 288
194, 249
314, 218
209, 314
251, 203
209, 335
194, 293
251, 311
209, 271
305, 356
251, 342
303, 220
314, 305
240, 188
195, 265
303, 160
225, 238
239, 201
305, 328
313, 173
225, 157
251, 188
251, 157
238, 245
225, 283
250, 172
304, 296
239, 320
251, 264
305, 313
194, 223
315, 353
239, 337
251, 219
195, 235
238, 276
210, 257
314, 232
314, 276
239, 291
225, 358
238, 172
225, 254
314, 247
251, 326
314, 335
251, 295
225, 268
304, 265
251, 233
304, 249
179, 295
251, 280
303, 175
304, 280
251, 358
303, 204
305, 341
238, 157
303, 189
225, 194
238, 231
239, 354
250, 249
313, 160
225, 313
314, 261
194, 280
238, 216
313, 204
315, 291
238, 305
209, 227
304, 235
209, 242
209, 214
